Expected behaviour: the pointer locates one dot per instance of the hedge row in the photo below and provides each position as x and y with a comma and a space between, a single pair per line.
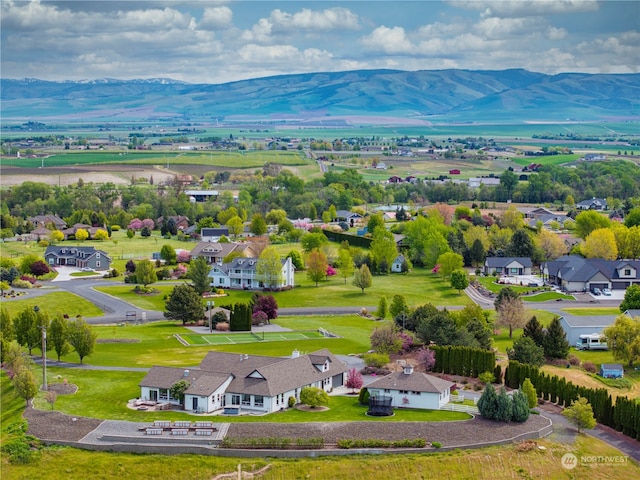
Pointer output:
623, 415
463, 361
273, 443
375, 443
353, 240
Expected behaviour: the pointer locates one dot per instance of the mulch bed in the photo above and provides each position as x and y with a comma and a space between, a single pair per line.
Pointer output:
450, 434
62, 388
55, 426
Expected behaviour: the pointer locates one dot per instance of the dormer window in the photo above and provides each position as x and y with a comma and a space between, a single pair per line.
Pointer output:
97, 255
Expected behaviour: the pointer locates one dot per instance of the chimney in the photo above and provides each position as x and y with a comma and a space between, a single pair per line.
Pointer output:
295, 353
408, 369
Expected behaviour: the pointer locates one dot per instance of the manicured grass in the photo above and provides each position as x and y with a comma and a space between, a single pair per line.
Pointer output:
592, 311
85, 274
56, 303
418, 287
232, 338
490, 284
12, 408
545, 297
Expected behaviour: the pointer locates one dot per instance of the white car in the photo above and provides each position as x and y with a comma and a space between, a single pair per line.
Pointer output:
86, 269
606, 291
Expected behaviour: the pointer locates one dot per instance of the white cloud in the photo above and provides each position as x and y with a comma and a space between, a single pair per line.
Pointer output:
336, 18
216, 17
388, 40
526, 8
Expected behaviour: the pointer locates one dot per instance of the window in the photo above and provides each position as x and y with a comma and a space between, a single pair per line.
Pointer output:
164, 394
235, 399
627, 272
246, 399
258, 401
498, 269
97, 255
97, 264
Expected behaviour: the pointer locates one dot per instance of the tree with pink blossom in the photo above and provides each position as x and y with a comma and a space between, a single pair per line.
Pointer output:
147, 222
354, 380
427, 358
184, 257
135, 224
331, 271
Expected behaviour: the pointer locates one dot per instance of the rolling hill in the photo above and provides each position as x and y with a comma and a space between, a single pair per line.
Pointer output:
509, 96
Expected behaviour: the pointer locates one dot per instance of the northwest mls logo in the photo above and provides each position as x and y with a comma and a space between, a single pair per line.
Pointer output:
569, 461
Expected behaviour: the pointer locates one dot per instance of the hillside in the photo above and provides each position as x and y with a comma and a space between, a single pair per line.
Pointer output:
510, 96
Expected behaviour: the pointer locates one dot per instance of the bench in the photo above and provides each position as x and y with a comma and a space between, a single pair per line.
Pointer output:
204, 432
161, 423
180, 431
154, 431
182, 424
203, 424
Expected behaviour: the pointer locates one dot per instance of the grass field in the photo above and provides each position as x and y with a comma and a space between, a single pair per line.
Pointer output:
594, 311
55, 303
233, 338
547, 159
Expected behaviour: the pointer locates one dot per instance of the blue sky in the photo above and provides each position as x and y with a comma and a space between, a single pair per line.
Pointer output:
223, 41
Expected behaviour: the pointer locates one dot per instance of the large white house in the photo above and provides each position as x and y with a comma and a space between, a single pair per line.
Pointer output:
242, 273
244, 383
411, 389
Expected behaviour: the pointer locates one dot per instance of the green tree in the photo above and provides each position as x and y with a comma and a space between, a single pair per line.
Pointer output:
269, 268
488, 402
276, 216
314, 397
600, 243
533, 329
235, 226
398, 306
383, 308
504, 408
312, 241
508, 181
56, 236
25, 384
296, 259
177, 390
345, 263
316, 266
449, 262
459, 280
555, 342
130, 233
383, 249
101, 235
184, 304
198, 273
81, 337
632, 219
258, 225
520, 407
57, 336
168, 254
530, 393
477, 253
631, 299
81, 234
385, 339
588, 221
526, 351
520, 245
580, 414
623, 339
362, 278
374, 222
145, 273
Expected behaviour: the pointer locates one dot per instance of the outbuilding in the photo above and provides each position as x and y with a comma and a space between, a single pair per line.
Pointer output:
611, 370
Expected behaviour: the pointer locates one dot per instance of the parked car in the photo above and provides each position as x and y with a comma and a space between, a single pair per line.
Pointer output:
534, 283
596, 291
86, 269
606, 291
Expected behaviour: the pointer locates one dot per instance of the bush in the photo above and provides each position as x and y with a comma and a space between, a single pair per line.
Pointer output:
22, 450
436, 444
486, 377
29, 278
588, 366
222, 327
18, 283
375, 443
377, 360
573, 360
291, 401
40, 268
363, 397
259, 318
115, 228
375, 371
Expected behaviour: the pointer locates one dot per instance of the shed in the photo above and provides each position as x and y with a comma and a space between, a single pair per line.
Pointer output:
611, 370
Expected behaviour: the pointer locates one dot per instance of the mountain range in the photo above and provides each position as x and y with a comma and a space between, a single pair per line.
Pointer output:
437, 96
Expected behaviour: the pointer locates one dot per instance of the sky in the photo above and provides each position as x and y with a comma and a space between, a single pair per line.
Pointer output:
225, 41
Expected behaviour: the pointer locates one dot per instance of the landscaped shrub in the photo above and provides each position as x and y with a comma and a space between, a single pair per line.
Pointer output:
363, 397
24, 449
375, 443
573, 360
377, 360
29, 278
115, 228
291, 401
273, 443
17, 283
222, 327
486, 377
588, 366
259, 318
436, 444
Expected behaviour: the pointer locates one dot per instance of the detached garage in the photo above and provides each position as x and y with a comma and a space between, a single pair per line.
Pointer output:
611, 370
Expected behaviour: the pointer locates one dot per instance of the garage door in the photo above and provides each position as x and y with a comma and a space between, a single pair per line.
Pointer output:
619, 285
599, 285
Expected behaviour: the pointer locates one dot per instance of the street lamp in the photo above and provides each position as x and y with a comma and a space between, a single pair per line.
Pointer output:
210, 304
36, 309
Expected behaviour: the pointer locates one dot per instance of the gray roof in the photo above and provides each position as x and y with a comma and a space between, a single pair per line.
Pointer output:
574, 268
589, 321
73, 251
215, 249
633, 313
214, 232
416, 381
200, 382
612, 366
504, 261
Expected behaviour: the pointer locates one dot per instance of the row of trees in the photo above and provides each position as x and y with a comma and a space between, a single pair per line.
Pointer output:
463, 361
63, 335
502, 407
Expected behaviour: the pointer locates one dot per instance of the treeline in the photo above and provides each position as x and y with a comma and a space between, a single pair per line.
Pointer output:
623, 414
463, 361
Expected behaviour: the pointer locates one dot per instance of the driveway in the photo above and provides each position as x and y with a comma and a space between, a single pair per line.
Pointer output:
64, 274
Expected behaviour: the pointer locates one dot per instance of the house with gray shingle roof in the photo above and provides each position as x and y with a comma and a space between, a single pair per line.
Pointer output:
79, 257
250, 383
243, 273
507, 265
412, 389
577, 274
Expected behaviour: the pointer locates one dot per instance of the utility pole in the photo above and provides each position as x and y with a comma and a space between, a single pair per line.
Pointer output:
44, 351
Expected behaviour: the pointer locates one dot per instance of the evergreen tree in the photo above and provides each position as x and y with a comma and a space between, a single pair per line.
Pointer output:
533, 329
185, 304
555, 341
383, 308
530, 393
198, 273
520, 244
504, 406
526, 351
488, 403
477, 253
520, 407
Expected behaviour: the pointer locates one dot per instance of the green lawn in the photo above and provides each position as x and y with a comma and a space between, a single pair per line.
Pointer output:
56, 303
104, 394
546, 296
592, 311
